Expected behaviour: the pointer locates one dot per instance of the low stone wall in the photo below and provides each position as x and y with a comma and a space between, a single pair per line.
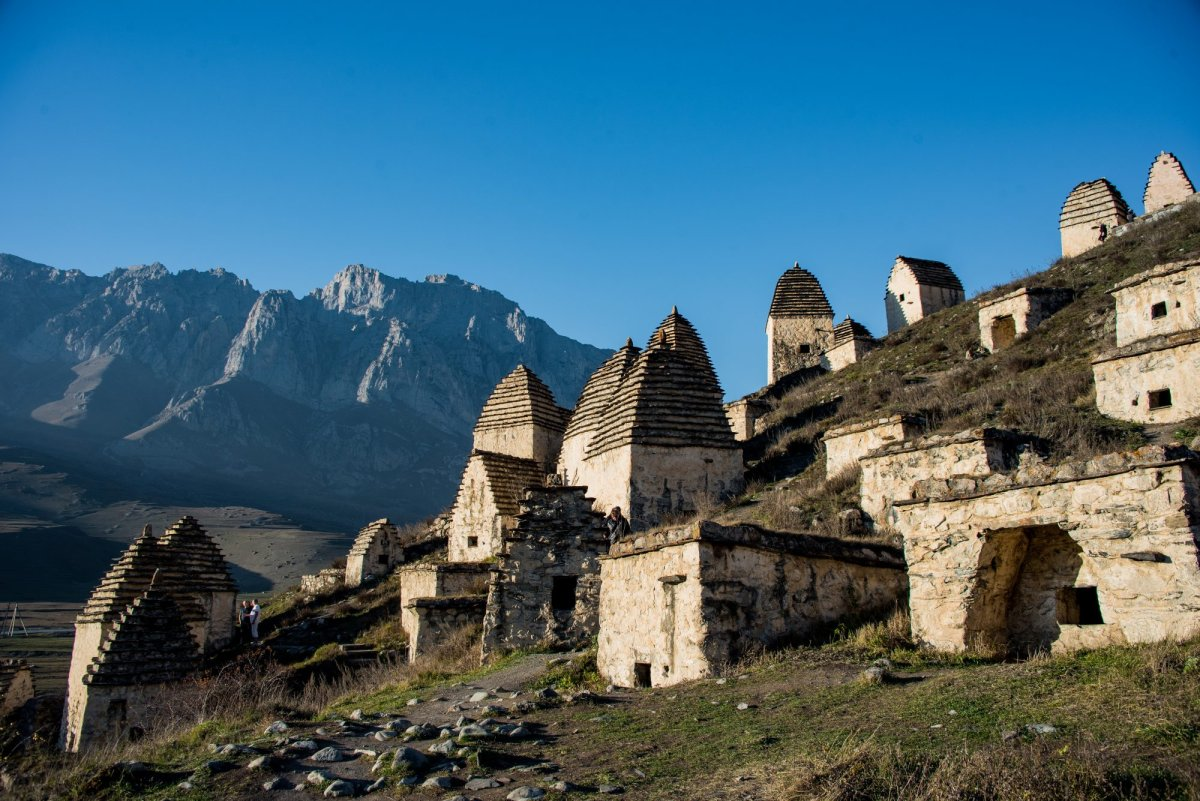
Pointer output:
545, 588
847, 353
891, 474
439, 579
1078, 555
1026, 309
1130, 380
844, 446
437, 619
677, 604
743, 417
327, 580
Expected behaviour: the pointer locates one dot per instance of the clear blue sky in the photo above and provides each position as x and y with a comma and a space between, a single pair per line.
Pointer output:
596, 162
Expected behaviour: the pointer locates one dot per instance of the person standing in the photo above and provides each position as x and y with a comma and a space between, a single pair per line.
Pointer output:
618, 526
244, 622
255, 614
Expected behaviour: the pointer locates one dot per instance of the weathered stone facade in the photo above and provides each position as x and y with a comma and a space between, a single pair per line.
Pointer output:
845, 445
1153, 375
664, 445
1079, 555
16, 685
190, 569
1167, 183
1016, 313
322, 582
147, 649
486, 505
434, 620
679, 603
521, 419
743, 415
381, 547
851, 342
1090, 213
917, 288
425, 580
545, 587
799, 324
595, 399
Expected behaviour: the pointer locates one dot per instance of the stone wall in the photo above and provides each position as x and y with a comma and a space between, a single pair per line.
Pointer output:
794, 343
917, 288
545, 589
486, 504
894, 473
1159, 301
326, 581
845, 445
847, 353
536, 443
105, 715
16, 685
438, 579
1167, 183
743, 417
1130, 381
652, 483
1013, 315
435, 620
1078, 555
678, 604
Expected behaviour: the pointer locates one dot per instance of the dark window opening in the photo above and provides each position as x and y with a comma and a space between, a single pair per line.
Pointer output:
472, 542
136, 733
806, 348
116, 710
1004, 331
562, 593
902, 298
1158, 310
1079, 606
641, 674
383, 560
1160, 398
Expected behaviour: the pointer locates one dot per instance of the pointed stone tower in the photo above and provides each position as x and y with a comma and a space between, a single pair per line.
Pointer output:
521, 419
1089, 214
799, 324
917, 288
597, 394
1167, 183
664, 445
147, 649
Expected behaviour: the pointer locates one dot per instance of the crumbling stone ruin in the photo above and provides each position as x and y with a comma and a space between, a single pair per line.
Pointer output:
846, 445
1003, 319
190, 569
799, 324
323, 581
917, 288
743, 415
1007, 552
16, 685
463, 585
663, 445
148, 648
545, 586
1089, 215
1153, 375
706, 594
380, 548
851, 342
1167, 183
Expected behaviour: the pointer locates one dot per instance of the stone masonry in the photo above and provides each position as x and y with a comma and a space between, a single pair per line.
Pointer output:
851, 342
917, 288
799, 324
1167, 183
1079, 555
16, 685
597, 396
1153, 375
679, 603
431, 580
744, 414
436, 620
1012, 315
1089, 215
380, 548
522, 420
845, 445
545, 587
147, 649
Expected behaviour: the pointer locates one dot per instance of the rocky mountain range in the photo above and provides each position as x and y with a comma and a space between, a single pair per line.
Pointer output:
351, 403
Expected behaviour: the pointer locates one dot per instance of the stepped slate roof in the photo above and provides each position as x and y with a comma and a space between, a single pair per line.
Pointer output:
850, 329
190, 563
1168, 181
798, 293
669, 397
930, 273
370, 532
1093, 201
508, 476
148, 644
521, 398
599, 390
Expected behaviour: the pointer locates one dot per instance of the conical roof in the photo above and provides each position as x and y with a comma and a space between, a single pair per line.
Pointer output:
798, 293
196, 563
669, 396
929, 272
1094, 202
508, 476
849, 329
148, 644
599, 390
129, 576
521, 398
1167, 183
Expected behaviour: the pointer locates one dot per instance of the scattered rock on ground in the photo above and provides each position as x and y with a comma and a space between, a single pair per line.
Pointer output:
328, 754
339, 788
525, 794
